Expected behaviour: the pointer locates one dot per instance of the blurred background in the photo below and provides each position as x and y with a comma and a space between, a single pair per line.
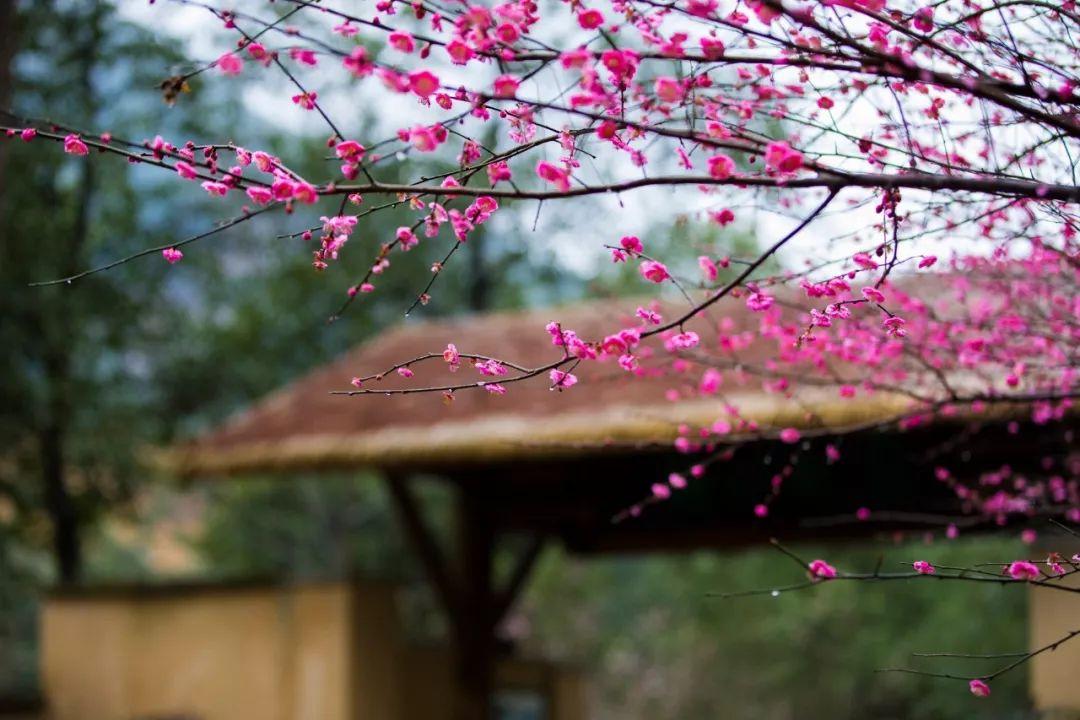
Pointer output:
93, 373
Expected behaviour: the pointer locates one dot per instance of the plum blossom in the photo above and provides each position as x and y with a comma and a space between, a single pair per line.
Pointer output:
668, 89
185, 170
452, 357
923, 567
402, 41
1023, 570
423, 82
979, 688
684, 340
73, 145
654, 271
821, 570
230, 64
172, 255
759, 302
708, 268
560, 379
721, 167
590, 19
554, 174
260, 195
506, 86
782, 158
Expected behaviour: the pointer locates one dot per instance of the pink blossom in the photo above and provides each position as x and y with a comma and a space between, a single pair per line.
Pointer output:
172, 255
864, 261
230, 64
259, 195
427, 138
350, 151
708, 268
979, 688
346, 29
1023, 570
306, 100
216, 188
927, 261
498, 172
304, 56
790, 435
632, 244
873, 295
721, 167
759, 302
923, 567
782, 158
305, 192
28, 134
185, 170
575, 58
661, 491
459, 52
402, 41
711, 380
685, 340
423, 83
668, 89
765, 12
924, 19
506, 86
819, 569
554, 175
654, 271
560, 379
73, 145
451, 356
258, 52
894, 326
356, 382
357, 62
491, 367
494, 388
761, 510
407, 238
590, 19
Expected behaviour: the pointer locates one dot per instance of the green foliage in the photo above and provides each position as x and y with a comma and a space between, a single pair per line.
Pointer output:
659, 646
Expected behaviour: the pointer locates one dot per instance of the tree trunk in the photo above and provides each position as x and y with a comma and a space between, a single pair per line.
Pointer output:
58, 354
7, 53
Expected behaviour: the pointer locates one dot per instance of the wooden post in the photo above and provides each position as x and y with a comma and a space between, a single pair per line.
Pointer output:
473, 605
474, 631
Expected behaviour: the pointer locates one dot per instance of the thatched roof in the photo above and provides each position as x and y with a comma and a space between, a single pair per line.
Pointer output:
303, 426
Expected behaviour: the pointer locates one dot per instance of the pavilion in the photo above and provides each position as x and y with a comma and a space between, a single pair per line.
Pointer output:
548, 466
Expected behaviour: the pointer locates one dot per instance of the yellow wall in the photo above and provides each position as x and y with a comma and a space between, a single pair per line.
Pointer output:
1055, 676
317, 652
217, 654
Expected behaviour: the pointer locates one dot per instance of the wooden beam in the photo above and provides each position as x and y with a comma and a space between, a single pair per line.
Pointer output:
505, 599
419, 534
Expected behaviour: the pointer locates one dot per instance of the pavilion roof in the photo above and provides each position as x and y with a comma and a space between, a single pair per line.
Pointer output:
304, 427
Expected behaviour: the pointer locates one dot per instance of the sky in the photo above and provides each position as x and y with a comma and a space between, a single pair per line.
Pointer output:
576, 230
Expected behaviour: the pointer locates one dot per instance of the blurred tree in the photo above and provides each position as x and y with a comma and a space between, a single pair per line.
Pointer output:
659, 646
